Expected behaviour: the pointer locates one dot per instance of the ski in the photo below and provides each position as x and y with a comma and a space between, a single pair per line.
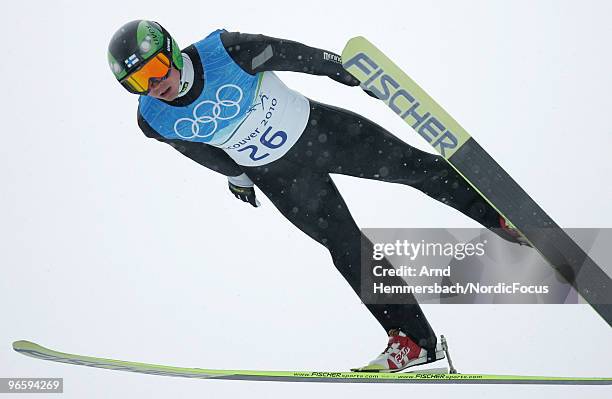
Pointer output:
34, 350
380, 76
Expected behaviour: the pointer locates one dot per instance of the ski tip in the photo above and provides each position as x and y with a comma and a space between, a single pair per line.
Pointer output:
22, 345
356, 41
356, 38
351, 46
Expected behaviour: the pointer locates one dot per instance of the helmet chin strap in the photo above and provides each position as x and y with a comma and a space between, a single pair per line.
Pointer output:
187, 74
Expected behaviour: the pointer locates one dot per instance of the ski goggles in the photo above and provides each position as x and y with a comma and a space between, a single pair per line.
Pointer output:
139, 81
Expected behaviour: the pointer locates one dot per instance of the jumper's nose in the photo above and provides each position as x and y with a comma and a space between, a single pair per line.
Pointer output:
153, 83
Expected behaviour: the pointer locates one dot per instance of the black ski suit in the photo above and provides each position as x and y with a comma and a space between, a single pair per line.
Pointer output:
334, 141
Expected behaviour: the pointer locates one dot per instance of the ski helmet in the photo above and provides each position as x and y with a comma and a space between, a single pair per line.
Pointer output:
141, 50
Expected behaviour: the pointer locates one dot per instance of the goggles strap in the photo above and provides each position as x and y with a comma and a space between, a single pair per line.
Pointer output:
187, 75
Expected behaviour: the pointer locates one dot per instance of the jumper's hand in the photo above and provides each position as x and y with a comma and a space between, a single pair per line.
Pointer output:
242, 187
369, 93
350, 80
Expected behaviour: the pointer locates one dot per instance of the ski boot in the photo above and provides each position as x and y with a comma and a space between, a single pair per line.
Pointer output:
510, 233
401, 353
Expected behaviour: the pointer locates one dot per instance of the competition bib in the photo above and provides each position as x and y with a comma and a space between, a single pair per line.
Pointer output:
274, 123
255, 119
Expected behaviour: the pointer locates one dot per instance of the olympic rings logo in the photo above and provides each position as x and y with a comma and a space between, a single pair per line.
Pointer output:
210, 120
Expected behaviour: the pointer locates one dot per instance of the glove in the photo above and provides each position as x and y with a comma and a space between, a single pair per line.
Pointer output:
369, 93
350, 80
243, 188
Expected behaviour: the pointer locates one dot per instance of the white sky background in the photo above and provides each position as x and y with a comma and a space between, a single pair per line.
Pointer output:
114, 245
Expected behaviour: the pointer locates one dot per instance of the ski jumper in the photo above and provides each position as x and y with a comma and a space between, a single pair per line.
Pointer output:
238, 117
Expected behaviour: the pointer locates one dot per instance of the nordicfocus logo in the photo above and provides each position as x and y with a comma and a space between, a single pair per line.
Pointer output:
205, 121
405, 104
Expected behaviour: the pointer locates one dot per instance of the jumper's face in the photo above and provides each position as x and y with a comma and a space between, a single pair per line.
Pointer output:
166, 88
